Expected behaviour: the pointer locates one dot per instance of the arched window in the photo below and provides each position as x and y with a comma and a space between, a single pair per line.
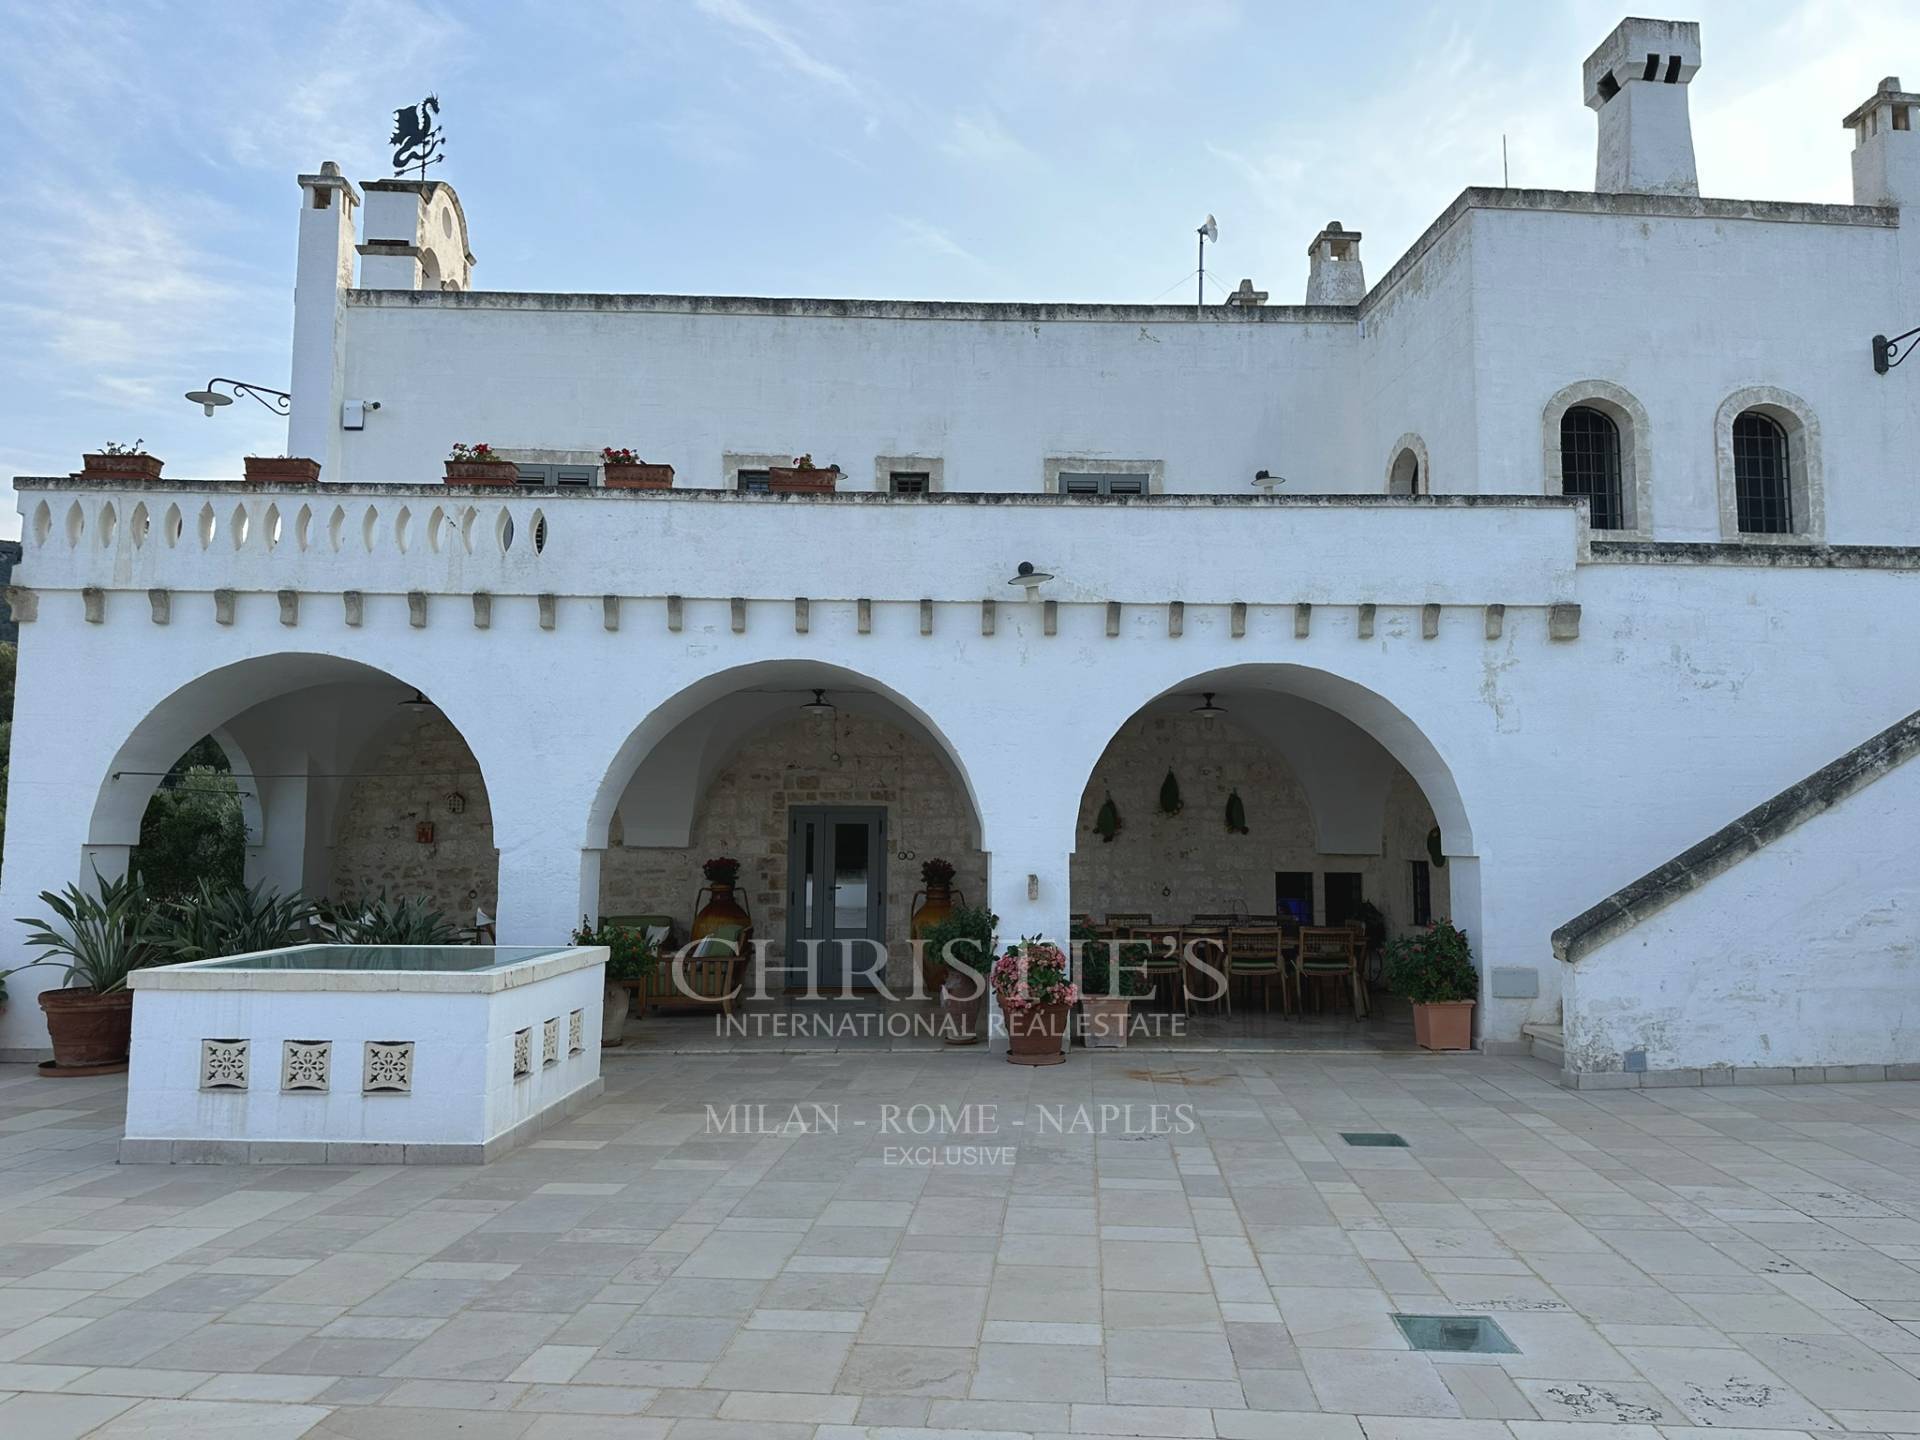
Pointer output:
1590, 464
1406, 478
1762, 475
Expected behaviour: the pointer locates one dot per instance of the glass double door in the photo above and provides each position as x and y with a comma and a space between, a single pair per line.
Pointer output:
836, 895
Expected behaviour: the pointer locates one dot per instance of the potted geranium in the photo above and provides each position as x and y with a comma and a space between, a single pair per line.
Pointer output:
1433, 969
961, 946
803, 477
282, 470
624, 470
115, 461
101, 939
1107, 989
478, 465
1036, 995
631, 958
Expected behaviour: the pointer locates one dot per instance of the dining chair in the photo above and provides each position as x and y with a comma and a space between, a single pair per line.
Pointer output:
1166, 966
1207, 944
1327, 953
1253, 954
1128, 919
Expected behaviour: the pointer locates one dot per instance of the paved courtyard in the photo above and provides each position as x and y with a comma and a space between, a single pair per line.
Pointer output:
1740, 1258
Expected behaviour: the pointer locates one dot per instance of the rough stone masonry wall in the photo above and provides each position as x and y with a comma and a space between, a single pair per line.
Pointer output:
1176, 866
409, 777
744, 814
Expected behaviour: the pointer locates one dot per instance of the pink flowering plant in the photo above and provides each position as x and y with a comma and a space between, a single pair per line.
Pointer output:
1031, 974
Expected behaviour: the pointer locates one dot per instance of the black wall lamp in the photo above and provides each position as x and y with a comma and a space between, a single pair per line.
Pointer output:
210, 399
1889, 353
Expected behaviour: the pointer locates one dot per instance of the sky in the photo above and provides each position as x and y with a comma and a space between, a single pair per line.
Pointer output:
971, 149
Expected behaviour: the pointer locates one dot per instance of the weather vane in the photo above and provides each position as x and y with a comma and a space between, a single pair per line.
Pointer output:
417, 140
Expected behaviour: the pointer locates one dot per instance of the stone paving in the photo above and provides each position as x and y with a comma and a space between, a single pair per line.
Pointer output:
1741, 1258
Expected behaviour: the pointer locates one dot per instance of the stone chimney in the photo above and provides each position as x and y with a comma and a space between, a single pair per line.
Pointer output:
1334, 276
1637, 82
1886, 147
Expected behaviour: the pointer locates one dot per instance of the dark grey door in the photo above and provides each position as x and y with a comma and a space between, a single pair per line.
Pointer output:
837, 895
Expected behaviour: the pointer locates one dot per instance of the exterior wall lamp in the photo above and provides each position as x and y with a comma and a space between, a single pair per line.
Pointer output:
210, 399
1889, 353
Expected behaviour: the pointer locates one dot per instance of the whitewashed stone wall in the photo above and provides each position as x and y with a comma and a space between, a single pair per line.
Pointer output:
744, 814
409, 778
1175, 866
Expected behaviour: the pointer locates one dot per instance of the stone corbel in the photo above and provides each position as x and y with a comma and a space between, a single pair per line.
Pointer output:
1429, 622
864, 609
926, 617
24, 602
1302, 620
482, 610
161, 602
356, 608
1365, 629
739, 609
610, 611
1496, 621
802, 615
986, 617
676, 613
549, 610
417, 609
1050, 617
224, 604
1237, 620
1113, 619
93, 604
289, 608
1563, 622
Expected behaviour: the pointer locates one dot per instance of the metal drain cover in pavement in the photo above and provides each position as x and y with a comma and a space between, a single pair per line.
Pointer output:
1373, 1137
1468, 1334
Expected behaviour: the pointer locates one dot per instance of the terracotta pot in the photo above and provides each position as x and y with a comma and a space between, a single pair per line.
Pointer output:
88, 1029
1038, 1036
1103, 1020
282, 470
937, 906
1444, 1025
639, 477
121, 467
784, 480
961, 997
482, 472
720, 909
615, 1003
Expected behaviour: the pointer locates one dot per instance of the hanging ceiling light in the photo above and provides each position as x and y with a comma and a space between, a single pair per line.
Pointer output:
819, 705
1207, 710
416, 701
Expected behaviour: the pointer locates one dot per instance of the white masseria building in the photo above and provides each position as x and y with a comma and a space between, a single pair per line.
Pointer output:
1581, 603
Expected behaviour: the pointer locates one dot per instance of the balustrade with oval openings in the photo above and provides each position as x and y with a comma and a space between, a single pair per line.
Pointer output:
109, 523
436, 529
240, 526
370, 527
172, 526
208, 525
336, 527
76, 523
139, 525
403, 529
272, 529
42, 523
303, 526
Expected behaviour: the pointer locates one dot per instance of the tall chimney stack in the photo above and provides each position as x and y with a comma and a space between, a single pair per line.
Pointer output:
1886, 147
1637, 82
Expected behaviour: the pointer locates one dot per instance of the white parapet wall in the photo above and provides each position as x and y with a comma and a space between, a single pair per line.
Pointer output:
237, 1062
1785, 948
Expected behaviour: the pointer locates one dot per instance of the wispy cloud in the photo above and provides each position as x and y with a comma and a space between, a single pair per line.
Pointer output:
776, 41
978, 137
931, 237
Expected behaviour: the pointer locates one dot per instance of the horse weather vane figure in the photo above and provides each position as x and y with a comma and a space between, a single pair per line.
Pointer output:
417, 140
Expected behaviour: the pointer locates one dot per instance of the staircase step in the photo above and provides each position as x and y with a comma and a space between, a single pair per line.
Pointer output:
1548, 1042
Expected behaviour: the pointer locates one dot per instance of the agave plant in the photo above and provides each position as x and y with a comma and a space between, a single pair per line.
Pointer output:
222, 919
100, 937
410, 920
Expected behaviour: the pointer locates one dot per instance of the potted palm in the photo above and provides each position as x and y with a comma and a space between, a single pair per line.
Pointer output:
1036, 995
803, 477
1112, 977
282, 470
631, 958
101, 938
961, 947
115, 461
1433, 969
478, 465
623, 470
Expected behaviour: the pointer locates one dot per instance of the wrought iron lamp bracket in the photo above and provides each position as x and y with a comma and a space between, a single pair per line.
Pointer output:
1889, 352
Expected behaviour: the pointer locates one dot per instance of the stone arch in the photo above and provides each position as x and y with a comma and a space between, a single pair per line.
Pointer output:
701, 750
1408, 472
1629, 417
1805, 464
251, 708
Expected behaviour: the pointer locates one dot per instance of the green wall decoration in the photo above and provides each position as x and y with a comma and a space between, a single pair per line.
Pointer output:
1434, 852
1236, 814
1170, 803
1108, 822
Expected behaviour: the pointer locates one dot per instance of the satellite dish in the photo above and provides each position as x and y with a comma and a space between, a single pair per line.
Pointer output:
1210, 230
207, 400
